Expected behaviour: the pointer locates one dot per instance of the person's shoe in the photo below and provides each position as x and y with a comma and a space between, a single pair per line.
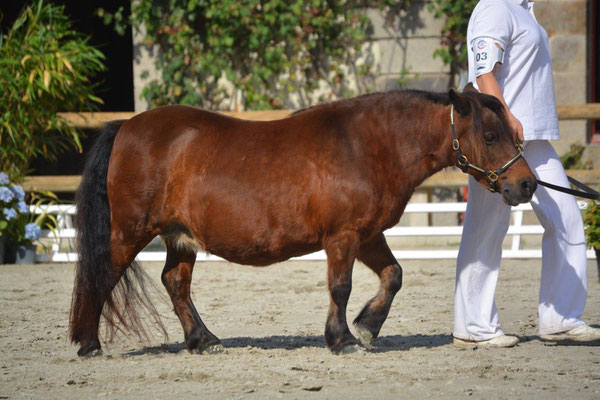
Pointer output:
498, 341
583, 333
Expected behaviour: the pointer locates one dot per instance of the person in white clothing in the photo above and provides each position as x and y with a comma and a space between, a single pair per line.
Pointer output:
509, 57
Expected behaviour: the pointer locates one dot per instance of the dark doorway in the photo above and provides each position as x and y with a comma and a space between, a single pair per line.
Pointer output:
594, 64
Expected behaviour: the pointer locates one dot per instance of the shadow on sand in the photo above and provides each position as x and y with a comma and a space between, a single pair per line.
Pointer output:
292, 342
382, 344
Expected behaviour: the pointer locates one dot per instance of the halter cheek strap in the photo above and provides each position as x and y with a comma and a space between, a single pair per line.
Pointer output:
464, 164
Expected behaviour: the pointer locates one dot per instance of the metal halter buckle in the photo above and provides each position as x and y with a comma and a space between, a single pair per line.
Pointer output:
455, 144
519, 147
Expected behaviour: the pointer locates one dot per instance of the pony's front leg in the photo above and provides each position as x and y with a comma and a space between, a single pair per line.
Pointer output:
177, 277
341, 251
376, 255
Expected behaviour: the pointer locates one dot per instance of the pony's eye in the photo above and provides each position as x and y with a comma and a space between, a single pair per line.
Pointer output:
489, 137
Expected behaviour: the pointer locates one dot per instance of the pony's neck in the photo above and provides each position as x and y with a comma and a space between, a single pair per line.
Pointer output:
424, 140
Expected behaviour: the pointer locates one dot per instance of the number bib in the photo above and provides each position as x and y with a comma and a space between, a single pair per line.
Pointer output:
487, 53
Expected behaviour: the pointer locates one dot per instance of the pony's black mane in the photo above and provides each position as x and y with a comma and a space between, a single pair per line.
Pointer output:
488, 101
477, 100
439, 98
434, 97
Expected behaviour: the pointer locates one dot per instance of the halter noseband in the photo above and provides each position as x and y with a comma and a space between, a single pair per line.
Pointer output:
464, 164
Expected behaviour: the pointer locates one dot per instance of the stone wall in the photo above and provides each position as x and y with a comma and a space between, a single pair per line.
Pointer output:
409, 47
565, 22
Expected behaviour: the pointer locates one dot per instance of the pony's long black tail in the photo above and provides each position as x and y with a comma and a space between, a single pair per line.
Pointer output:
95, 276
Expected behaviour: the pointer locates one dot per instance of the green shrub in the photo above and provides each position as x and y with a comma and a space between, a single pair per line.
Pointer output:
45, 67
591, 221
572, 158
275, 53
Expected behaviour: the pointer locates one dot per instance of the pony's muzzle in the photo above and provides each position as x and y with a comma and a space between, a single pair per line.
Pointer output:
514, 194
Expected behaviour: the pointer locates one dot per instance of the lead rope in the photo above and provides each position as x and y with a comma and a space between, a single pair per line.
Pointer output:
587, 193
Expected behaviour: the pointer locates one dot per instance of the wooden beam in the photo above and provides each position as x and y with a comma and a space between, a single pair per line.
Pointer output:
578, 111
267, 115
447, 178
95, 120
52, 183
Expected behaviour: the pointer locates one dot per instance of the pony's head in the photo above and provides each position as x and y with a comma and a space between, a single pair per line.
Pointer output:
487, 148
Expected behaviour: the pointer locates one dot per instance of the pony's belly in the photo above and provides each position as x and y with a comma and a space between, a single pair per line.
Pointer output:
260, 256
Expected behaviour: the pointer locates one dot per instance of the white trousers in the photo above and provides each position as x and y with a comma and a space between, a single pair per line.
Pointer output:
563, 288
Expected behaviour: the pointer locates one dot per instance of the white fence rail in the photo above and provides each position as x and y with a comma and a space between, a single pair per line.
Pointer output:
63, 239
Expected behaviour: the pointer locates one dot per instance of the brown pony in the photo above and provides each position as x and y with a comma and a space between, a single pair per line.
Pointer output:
331, 177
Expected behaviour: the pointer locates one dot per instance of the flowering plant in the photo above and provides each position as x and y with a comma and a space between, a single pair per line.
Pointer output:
15, 220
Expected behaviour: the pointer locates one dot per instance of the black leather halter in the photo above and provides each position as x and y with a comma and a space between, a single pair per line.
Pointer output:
464, 164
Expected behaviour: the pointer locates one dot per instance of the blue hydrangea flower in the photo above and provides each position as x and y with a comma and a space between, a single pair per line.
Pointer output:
6, 195
23, 209
18, 191
32, 231
10, 213
3, 178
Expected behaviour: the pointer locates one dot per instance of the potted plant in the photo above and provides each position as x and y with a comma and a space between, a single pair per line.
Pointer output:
19, 227
16, 230
7, 202
591, 220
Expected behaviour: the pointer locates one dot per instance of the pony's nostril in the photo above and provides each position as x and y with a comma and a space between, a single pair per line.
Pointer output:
527, 186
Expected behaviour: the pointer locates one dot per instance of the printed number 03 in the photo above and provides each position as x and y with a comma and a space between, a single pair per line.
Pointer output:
480, 56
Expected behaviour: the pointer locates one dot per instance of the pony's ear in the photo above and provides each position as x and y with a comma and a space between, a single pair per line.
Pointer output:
461, 103
470, 88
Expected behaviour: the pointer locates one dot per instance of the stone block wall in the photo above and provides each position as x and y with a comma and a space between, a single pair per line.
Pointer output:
565, 22
409, 48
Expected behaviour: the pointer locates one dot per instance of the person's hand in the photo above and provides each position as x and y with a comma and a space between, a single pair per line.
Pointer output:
516, 126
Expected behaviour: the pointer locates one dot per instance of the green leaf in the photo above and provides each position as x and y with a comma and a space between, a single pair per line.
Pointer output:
46, 67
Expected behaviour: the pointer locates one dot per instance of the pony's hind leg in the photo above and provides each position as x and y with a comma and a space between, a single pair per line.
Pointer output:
341, 252
376, 255
177, 277
91, 302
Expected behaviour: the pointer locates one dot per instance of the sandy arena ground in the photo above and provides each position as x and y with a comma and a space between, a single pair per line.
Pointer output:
271, 322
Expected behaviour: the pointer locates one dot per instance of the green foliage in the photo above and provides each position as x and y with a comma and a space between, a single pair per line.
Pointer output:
591, 214
453, 50
572, 158
273, 53
591, 221
44, 68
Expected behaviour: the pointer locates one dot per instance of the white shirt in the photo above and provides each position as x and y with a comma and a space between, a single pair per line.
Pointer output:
525, 76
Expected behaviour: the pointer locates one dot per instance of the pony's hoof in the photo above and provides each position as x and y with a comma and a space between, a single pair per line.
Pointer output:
354, 348
347, 347
91, 354
364, 335
90, 348
212, 349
